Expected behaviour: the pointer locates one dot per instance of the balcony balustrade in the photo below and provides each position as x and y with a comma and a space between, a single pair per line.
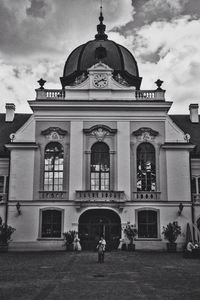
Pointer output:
50, 94
100, 196
3, 197
140, 95
146, 196
196, 199
148, 95
52, 195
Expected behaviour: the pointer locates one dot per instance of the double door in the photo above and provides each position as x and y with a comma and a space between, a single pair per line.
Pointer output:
96, 225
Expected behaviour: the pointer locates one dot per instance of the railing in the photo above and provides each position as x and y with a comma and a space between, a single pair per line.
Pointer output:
196, 198
140, 95
107, 196
150, 95
146, 196
50, 94
52, 195
3, 197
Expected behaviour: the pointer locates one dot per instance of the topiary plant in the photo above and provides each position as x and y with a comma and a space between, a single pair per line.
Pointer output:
171, 231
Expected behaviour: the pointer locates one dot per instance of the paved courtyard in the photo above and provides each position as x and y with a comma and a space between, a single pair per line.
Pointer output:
124, 275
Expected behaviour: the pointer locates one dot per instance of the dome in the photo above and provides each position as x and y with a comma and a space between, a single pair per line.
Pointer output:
108, 52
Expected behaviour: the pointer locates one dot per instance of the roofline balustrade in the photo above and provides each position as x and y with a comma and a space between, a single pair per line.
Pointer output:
139, 95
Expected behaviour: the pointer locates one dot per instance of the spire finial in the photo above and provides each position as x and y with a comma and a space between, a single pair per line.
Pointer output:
101, 27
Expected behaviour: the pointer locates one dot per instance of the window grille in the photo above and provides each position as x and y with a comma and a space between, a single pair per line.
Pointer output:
147, 224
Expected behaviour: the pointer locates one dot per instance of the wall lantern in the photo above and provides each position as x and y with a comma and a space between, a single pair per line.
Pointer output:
180, 208
18, 207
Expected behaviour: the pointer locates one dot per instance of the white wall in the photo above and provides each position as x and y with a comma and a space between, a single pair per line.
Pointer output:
76, 158
178, 175
21, 174
123, 157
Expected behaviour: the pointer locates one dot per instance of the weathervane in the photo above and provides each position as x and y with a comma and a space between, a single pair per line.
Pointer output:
101, 27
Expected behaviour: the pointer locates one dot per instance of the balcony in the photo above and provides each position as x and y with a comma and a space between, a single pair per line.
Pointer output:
100, 196
53, 195
146, 196
196, 199
45, 94
3, 197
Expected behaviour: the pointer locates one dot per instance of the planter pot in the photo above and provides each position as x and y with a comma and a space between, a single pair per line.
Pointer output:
4, 247
171, 247
70, 247
131, 247
123, 248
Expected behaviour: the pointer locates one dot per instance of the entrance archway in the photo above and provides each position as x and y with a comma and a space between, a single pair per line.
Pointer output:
97, 222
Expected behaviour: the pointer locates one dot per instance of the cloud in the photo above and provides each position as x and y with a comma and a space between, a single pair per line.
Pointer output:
177, 58
38, 35
37, 9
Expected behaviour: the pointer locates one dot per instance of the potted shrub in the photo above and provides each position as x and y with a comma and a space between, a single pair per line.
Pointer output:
5, 235
171, 233
130, 231
69, 239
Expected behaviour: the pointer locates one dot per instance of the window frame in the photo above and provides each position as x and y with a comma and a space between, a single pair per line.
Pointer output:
158, 238
155, 169
40, 237
100, 173
54, 171
4, 185
196, 184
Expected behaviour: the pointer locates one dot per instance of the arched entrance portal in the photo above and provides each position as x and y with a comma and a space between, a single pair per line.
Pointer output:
97, 222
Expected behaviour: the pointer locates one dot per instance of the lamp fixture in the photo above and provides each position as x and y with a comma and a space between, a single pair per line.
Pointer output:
18, 207
180, 208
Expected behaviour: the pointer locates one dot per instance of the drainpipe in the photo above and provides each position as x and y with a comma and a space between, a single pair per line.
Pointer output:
8, 188
192, 206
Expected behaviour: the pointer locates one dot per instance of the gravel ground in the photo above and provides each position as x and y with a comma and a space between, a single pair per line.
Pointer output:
123, 275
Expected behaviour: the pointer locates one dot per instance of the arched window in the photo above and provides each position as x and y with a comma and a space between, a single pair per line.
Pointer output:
100, 167
147, 224
51, 223
53, 169
146, 167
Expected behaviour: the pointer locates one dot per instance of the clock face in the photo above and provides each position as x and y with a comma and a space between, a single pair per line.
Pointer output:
100, 80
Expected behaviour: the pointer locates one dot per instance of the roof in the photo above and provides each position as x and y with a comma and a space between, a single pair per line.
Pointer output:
183, 121
6, 128
117, 57
108, 52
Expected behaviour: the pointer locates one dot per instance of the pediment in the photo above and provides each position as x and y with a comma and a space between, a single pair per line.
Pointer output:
145, 133
54, 133
100, 131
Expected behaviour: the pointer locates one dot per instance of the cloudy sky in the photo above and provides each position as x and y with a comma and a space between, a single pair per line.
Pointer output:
36, 37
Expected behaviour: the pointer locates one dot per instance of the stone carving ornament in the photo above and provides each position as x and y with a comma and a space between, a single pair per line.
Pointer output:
145, 134
54, 133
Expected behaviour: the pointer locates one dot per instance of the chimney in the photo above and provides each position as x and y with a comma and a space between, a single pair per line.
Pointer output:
10, 112
194, 116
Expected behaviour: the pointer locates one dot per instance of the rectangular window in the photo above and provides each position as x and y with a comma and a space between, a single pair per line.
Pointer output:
194, 191
51, 224
2, 184
147, 224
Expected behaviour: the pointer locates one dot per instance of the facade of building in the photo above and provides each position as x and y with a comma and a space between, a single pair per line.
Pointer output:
98, 153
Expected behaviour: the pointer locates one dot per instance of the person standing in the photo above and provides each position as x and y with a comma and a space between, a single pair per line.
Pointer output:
101, 250
76, 243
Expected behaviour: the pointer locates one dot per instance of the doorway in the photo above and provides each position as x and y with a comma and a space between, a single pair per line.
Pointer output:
95, 223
